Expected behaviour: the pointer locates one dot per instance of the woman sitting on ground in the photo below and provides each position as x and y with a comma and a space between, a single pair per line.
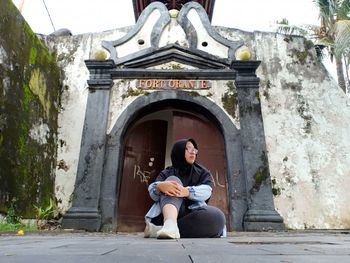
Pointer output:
181, 193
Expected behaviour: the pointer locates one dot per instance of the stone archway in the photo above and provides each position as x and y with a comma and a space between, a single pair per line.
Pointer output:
235, 177
146, 151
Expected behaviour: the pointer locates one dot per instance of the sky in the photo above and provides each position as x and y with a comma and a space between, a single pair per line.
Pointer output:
85, 16
88, 16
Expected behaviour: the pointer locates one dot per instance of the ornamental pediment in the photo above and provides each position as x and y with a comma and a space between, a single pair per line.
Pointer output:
173, 57
184, 36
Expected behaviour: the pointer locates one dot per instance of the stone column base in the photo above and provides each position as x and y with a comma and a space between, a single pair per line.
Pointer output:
82, 218
263, 220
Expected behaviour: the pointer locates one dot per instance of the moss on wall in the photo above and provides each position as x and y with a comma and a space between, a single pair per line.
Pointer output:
134, 92
261, 174
230, 99
29, 97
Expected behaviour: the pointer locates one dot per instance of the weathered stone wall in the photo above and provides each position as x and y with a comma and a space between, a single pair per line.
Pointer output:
306, 121
29, 101
307, 127
71, 52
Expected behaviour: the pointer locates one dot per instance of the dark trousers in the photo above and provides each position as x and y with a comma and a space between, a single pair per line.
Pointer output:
207, 221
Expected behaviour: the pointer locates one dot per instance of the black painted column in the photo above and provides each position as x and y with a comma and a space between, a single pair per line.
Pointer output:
84, 213
261, 213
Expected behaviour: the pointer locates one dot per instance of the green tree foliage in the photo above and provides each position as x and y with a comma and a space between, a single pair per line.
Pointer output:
333, 33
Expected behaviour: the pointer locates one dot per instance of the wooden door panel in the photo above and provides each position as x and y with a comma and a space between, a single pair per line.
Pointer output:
211, 153
144, 157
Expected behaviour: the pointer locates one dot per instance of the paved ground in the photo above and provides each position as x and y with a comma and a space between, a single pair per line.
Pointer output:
328, 246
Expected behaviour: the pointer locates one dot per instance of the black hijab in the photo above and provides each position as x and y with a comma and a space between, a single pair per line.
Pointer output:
178, 154
189, 174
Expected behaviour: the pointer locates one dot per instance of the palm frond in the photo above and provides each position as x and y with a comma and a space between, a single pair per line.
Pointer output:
342, 37
328, 10
343, 10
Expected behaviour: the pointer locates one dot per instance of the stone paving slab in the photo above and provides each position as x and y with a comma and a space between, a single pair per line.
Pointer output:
84, 247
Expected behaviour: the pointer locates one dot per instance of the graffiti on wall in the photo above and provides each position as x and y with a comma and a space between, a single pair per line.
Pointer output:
216, 181
144, 176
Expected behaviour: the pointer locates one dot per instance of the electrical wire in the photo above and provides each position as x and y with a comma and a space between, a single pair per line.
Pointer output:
47, 10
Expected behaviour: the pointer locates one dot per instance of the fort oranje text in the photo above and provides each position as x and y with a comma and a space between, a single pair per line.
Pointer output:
172, 84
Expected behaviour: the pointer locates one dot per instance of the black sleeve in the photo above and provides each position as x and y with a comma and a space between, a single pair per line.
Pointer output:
163, 175
207, 178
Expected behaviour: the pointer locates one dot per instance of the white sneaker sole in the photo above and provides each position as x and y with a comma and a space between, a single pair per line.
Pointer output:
151, 230
147, 232
167, 235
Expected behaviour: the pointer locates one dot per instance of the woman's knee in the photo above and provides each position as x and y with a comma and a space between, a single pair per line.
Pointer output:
214, 218
215, 214
208, 221
174, 178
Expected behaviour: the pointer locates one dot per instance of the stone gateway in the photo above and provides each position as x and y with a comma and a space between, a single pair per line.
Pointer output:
278, 149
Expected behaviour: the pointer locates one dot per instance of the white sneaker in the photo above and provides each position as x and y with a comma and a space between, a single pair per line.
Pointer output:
168, 232
151, 230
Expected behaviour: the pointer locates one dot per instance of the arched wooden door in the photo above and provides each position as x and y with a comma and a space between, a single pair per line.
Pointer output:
144, 157
211, 153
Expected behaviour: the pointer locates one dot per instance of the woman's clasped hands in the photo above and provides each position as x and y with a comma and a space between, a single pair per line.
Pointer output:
172, 188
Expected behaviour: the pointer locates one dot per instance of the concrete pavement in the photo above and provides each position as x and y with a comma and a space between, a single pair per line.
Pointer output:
291, 246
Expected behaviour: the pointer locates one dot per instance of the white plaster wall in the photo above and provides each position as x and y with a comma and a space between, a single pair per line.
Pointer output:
307, 128
71, 53
307, 133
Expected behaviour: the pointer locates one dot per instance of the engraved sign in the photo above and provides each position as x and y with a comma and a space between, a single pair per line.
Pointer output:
160, 84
